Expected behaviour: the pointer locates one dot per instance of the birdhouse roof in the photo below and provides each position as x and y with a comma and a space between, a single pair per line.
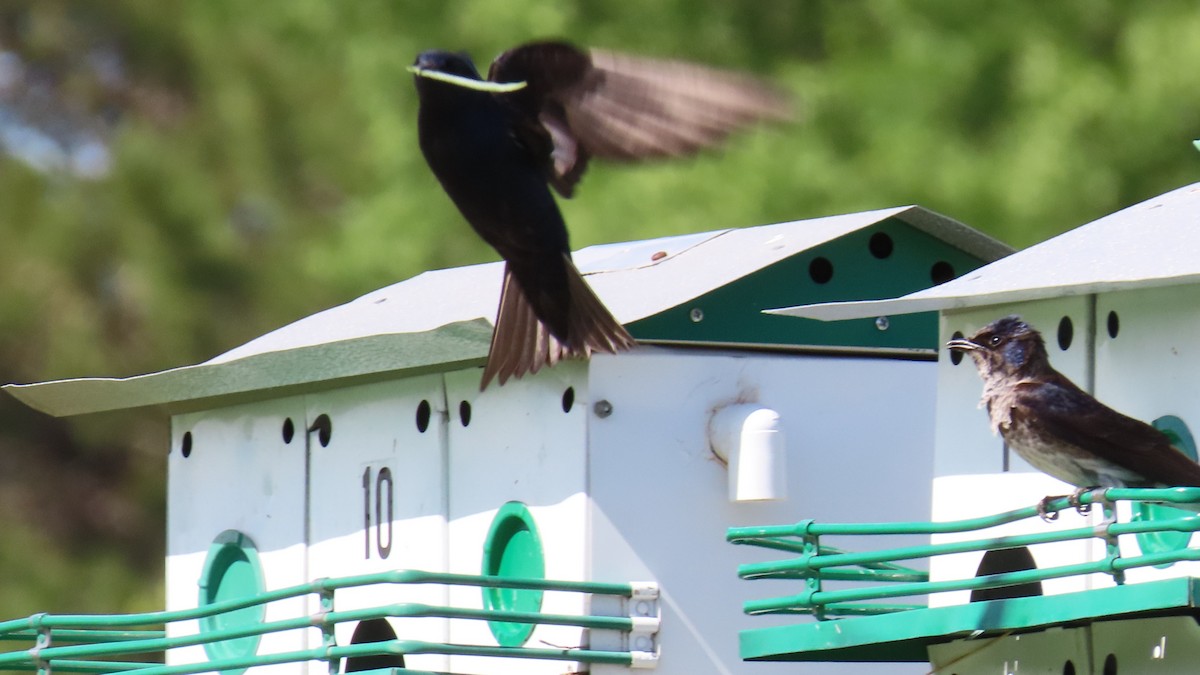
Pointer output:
441, 320
1148, 244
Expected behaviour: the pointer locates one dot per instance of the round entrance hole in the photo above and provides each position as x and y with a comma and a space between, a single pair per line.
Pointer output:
513, 550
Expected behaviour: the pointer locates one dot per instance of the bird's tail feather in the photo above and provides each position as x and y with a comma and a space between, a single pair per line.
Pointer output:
522, 344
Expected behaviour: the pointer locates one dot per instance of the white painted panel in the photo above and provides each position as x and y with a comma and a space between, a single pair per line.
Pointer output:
1151, 369
859, 441
518, 445
240, 475
378, 499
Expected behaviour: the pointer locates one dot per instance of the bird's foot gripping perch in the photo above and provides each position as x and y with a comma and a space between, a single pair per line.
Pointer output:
1075, 499
1043, 508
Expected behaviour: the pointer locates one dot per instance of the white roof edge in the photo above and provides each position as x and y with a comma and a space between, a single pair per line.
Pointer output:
954, 232
1145, 245
921, 301
257, 376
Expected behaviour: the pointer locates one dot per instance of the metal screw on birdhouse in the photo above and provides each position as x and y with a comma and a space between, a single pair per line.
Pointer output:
696, 315
882, 323
602, 409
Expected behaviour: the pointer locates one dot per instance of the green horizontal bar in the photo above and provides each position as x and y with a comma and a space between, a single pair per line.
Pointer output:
905, 636
799, 603
883, 565
851, 609
416, 610
805, 567
817, 563
808, 566
39, 621
92, 666
402, 610
809, 528
399, 647
857, 574
69, 635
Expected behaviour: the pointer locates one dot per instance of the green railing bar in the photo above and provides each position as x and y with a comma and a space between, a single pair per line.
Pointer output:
422, 577
414, 610
91, 666
833, 550
156, 644
812, 564
777, 543
399, 647
804, 567
39, 621
863, 609
807, 602
810, 528
863, 575
1151, 559
403, 610
69, 635
1175, 495
794, 546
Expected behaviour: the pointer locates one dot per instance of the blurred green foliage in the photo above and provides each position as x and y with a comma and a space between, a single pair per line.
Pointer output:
253, 162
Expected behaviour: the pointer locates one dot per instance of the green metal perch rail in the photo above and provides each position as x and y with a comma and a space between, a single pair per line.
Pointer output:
857, 622
817, 563
102, 640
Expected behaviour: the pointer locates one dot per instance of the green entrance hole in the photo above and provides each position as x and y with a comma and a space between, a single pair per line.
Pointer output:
232, 571
513, 550
1161, 542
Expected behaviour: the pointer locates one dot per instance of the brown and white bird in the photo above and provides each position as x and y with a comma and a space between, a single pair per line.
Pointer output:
546, 110
1061, 429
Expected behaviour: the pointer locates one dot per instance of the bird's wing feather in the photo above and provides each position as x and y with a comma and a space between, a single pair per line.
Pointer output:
625, 108
1068, 413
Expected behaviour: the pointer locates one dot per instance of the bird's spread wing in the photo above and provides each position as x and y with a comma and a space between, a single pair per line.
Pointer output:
618, 107
1069, 414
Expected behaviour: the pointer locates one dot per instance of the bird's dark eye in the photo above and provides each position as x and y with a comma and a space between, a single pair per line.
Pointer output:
995, 340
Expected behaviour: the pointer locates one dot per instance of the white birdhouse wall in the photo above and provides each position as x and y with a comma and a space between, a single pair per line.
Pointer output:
1148, 366
377, 495
237, 470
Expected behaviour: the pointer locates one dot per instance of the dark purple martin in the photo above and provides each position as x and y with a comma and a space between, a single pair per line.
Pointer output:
1061, 429
546, 109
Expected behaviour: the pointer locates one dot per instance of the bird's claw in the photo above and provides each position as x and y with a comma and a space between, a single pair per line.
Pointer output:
1076, 500
1043, 509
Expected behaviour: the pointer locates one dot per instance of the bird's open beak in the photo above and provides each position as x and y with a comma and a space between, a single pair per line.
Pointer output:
466, 82
962, 345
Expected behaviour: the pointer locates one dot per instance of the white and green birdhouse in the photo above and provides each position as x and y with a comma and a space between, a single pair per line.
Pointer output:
1118, 301
342, 494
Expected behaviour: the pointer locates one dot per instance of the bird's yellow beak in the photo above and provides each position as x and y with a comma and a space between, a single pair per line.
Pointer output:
467, 82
